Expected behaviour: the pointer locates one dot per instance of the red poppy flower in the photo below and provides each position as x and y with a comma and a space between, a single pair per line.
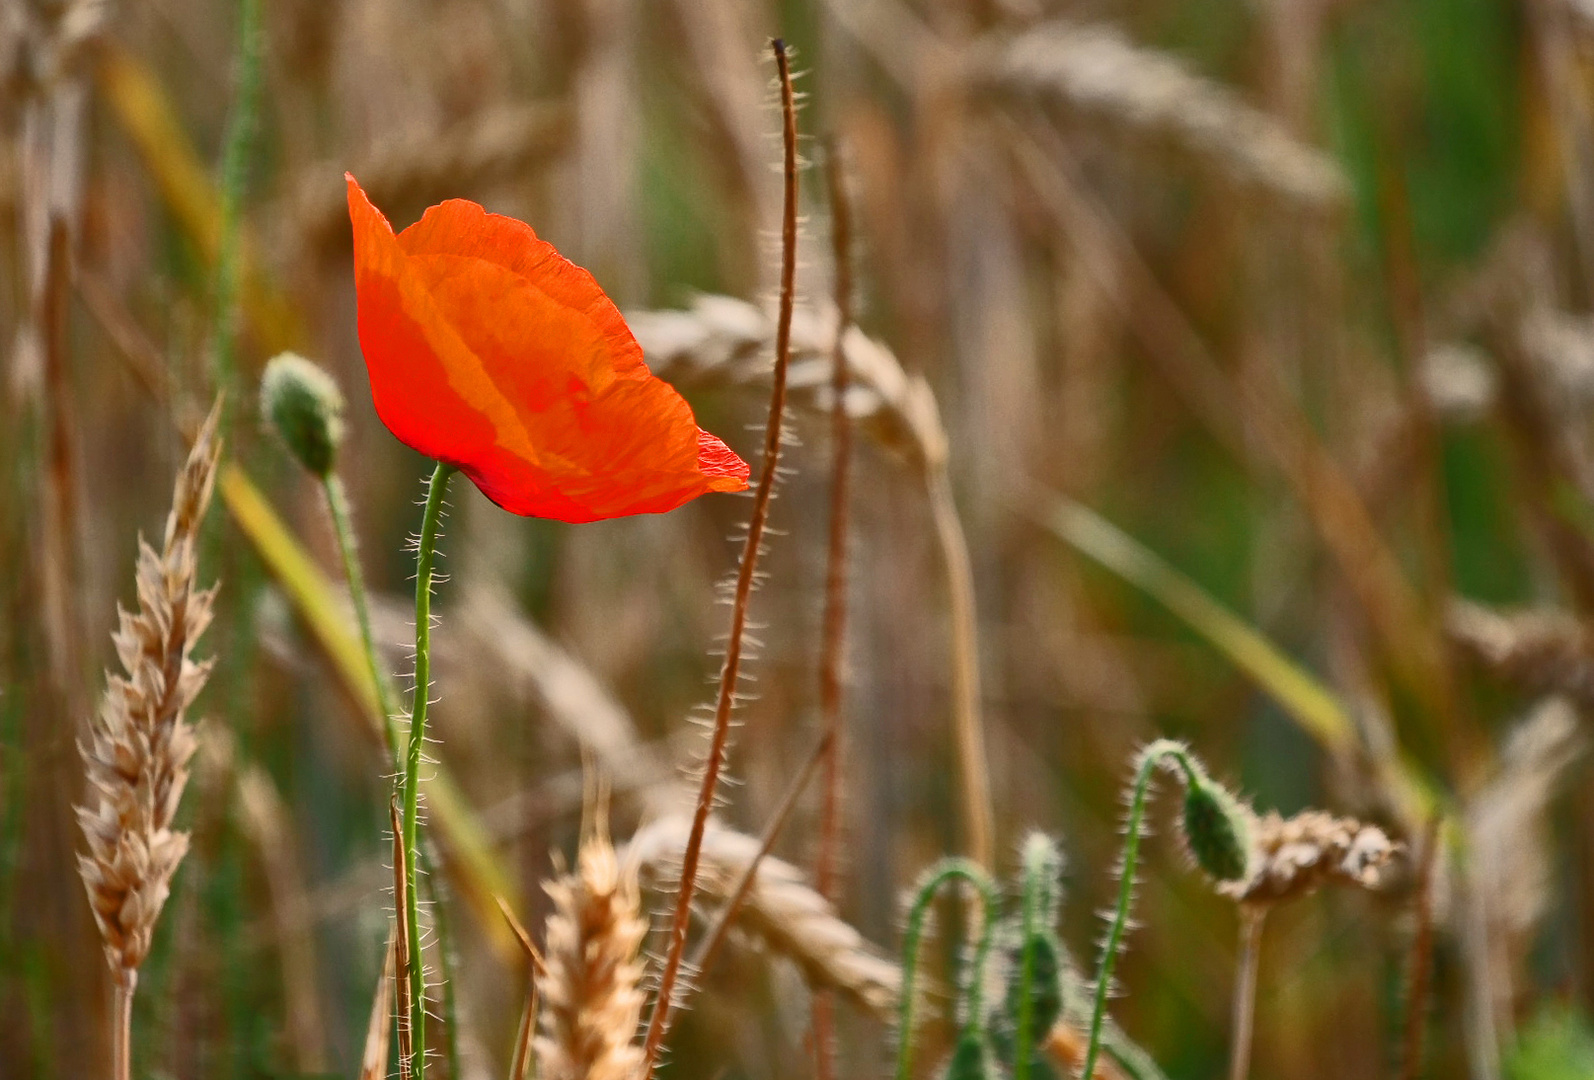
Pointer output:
490, 351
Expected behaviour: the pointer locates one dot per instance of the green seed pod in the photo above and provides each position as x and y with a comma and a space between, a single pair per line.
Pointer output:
1217, 828
970, 1059
305, 406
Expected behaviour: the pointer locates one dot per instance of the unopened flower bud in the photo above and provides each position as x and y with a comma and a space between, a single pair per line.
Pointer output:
1217, 828
305, 406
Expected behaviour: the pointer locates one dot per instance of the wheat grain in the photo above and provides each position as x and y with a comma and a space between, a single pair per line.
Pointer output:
138, 750
1294, 856
723, 341
1095, 72
780, 910
1543, 650
590, 986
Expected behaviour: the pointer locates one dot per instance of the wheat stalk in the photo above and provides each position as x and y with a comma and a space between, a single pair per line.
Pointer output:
590, 984
139, 747
1095, 72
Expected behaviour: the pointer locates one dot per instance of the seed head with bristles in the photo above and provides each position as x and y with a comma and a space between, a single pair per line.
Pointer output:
1296, 855
138, 749
591, 986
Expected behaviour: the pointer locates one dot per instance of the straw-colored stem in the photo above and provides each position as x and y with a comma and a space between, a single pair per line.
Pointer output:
833, 643
343, 529
730, 671
968, 727
426, 554
124, 982
1245, 991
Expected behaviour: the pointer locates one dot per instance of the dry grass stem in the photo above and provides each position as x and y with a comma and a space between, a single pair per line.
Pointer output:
269, 824
730, 671
526, 1033
1244, 1012
780, 910
1509, 871
832, 652
139, 747
378, 1030
590, 987
1419, 969
401, 944
1095, 72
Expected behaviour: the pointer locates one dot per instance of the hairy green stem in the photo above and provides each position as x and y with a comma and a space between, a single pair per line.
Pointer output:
1024, 1036
1152, 756
426, 554
343, 528
940, 874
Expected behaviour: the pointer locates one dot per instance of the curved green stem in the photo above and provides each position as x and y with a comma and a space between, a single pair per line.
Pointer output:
431, 523
1150, 758
343, 528
940, 874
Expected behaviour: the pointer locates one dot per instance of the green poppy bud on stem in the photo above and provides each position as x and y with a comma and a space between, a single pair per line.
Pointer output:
1217, 828
305, 406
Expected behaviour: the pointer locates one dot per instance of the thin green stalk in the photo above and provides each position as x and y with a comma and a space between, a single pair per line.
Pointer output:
426, 555
343, 528
1024, 1037
940, 874
1150, 758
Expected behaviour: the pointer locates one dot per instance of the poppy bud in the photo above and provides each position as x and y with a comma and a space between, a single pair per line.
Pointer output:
305, 406
1217, 828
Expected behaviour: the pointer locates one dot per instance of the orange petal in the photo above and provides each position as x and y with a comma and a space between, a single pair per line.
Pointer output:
489, 350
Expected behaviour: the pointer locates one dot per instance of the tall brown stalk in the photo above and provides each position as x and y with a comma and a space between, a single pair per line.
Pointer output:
730, 671
835, 618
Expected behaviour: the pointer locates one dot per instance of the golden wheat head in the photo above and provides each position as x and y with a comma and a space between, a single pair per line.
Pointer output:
139, 746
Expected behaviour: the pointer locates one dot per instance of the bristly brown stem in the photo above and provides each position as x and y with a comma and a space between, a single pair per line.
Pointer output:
401, 944
835, 618
730, 671
788, 802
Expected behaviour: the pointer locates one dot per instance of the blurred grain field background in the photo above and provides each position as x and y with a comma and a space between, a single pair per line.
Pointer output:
1244, 351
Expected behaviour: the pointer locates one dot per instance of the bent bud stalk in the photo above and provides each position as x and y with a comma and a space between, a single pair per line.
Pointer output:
1221, 825
974, 1002
426, 554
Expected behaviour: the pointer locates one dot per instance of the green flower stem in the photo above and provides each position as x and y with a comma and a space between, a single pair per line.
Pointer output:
1152, 756
940, 874
425, 556
343, 527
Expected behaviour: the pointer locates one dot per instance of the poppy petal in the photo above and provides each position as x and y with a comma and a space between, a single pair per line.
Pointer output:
489, 350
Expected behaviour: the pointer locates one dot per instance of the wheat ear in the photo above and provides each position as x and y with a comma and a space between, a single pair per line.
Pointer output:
139, 746
590, 985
